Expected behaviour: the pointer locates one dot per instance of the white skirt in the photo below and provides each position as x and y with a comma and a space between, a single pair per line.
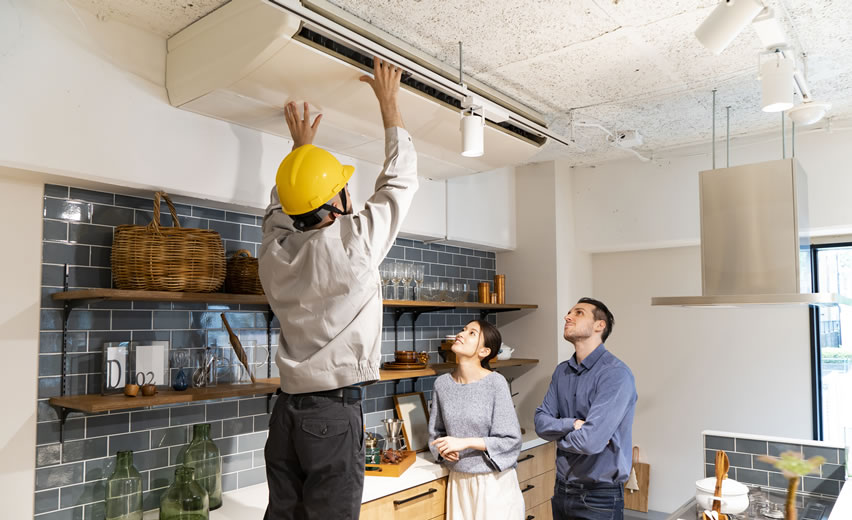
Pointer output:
484, 496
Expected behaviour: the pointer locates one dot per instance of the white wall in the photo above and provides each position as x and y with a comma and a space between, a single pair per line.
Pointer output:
639, 205
546, 270
20, 278
734, 369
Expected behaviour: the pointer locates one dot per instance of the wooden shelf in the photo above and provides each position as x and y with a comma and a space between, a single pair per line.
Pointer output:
95, 403
437, 368
85, 295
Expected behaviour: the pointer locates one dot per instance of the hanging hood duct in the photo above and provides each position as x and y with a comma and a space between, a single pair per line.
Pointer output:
754, 250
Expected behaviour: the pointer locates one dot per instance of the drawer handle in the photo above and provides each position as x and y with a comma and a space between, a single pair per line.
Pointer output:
425, 493
529, 486
528, 457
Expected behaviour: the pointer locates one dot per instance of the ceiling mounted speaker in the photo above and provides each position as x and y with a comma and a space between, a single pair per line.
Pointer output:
473, 129
776, 79
726, 21
808, 113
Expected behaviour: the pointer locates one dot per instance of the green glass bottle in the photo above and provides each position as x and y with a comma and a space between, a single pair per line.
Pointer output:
203, 455
124, 490
185, 499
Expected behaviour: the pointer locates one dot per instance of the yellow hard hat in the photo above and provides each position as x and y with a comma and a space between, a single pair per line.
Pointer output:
308, 178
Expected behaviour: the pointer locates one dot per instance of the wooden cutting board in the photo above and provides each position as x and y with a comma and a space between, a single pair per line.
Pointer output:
638, 500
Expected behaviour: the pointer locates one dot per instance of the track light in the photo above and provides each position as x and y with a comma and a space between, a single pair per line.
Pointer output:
769, 30
726, 21
776, 79
473, 132
808, 113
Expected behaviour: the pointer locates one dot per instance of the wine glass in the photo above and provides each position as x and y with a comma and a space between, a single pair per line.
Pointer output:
443, 291
418, 279
385, 273
407, 275
396, 276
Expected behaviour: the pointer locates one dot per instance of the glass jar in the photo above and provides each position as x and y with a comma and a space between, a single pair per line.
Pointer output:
185, 499
373, 455
203, 456
124, 490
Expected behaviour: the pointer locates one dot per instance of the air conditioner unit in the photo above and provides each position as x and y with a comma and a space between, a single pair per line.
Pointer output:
244, 61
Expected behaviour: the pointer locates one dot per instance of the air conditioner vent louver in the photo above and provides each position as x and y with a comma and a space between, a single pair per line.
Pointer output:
366, 62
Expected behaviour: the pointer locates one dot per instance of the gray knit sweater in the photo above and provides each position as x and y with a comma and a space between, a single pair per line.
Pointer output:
480, 409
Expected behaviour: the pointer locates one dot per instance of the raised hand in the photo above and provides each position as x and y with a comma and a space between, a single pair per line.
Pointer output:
385, 85
301, 129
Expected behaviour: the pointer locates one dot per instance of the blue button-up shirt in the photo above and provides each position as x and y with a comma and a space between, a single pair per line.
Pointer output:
600, 391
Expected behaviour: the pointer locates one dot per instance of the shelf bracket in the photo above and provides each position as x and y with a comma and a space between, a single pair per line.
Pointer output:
63, 416
483, 313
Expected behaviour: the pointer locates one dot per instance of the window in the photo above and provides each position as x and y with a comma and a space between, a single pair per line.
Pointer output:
832, 337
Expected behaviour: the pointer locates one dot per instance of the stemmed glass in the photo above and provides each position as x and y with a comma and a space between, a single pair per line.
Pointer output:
396, 276
407, 275
385, 272
418, 279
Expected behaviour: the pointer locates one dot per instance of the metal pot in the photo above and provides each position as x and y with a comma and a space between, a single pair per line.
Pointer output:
734, 495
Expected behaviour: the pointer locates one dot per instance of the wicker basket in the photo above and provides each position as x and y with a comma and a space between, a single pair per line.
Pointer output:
155, 258
242, 277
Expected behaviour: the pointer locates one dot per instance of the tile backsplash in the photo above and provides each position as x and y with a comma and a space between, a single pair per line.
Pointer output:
78, 231
743, 452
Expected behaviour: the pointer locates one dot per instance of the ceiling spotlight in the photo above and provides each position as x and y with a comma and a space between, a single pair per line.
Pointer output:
769, 30
726, 21
473, 132
808, 113
776, 79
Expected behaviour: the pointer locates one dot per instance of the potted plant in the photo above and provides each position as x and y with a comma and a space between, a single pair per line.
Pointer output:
793, 466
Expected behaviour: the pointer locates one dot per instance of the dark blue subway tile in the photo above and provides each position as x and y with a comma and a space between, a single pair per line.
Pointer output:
237, 462
57, 476
54, 190
91, 234
251, 477
110, 424
240, 218
92, 196
89, 320
206, 320
253, 406
830, 454
59, 253
143, 218
138, 441
48, 387
111, 215
818, 485
191, 414
151, 459
167, 437
751, 476
55, 230
208, 213
219, 411
53, 275
252, 441
237, 426
131, 320
88, 363
63, 514
94, 510
81, 494
149, 419
251, 234
777, 448
261, 423
171, 319
136, 202
91, 277
149, 335
46, 501
68, 210
833, 471
150, 306
74, 451
97, 338
97, 469
48, 455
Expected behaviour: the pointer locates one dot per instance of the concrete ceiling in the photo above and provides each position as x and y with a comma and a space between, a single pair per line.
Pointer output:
623, 64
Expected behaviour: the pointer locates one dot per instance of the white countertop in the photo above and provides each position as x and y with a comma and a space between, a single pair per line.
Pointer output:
249, 503
842, 509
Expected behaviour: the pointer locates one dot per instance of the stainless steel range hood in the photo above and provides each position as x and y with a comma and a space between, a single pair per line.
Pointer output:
754, 250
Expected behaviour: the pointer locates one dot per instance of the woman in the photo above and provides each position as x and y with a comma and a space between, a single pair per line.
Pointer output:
473, 429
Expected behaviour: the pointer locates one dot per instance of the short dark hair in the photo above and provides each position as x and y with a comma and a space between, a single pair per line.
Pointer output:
601, 313
491, 338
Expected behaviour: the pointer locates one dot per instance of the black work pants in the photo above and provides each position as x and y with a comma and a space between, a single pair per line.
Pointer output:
315, 458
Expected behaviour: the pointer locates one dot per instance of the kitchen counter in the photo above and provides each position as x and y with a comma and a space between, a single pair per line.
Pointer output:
249, 503
842, 509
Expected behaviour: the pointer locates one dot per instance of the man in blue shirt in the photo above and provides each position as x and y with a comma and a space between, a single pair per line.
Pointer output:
588, 411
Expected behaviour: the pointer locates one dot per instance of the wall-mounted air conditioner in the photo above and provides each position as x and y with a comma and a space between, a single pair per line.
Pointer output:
243, 62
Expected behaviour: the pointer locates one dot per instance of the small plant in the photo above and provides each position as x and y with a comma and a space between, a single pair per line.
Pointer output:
793, 466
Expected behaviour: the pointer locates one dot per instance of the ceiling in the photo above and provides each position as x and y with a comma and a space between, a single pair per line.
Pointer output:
622, 64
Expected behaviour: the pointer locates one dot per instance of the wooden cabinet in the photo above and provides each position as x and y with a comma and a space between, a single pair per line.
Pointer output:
423, 502
537, 477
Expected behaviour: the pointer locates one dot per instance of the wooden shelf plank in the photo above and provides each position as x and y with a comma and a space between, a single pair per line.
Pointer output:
436, 368
95, 403
252, 299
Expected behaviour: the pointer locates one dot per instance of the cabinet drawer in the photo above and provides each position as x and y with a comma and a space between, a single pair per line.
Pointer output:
535, 461
539, 512
538, 490
422, 502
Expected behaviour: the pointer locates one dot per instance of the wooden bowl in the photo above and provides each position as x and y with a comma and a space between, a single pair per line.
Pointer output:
149, 390
131, 390
405, 356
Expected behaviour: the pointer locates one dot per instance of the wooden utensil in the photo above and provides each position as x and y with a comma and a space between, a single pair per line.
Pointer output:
638, 500
722, 465
238, 347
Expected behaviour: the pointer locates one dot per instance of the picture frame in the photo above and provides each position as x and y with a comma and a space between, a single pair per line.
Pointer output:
150, 363
115, 366
411, 409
